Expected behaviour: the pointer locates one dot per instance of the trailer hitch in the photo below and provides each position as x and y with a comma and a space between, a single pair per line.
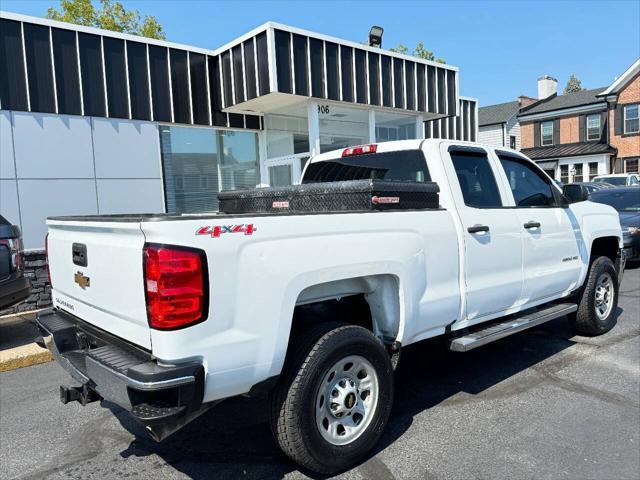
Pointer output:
82, 394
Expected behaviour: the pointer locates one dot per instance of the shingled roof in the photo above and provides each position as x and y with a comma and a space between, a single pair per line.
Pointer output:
499, 113
569, 100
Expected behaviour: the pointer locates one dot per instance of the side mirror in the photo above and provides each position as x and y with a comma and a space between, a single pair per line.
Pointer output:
575, 193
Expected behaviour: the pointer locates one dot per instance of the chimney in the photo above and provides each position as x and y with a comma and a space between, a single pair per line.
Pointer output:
547, 86
524, 101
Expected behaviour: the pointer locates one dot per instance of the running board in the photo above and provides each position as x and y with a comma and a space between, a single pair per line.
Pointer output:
514, 324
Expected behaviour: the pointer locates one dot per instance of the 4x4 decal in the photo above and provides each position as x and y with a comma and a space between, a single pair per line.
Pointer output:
215, 231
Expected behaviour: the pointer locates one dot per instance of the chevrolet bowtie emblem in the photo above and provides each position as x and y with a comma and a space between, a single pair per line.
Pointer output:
81, 280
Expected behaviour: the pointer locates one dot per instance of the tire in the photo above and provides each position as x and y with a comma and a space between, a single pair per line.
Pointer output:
312, 374
592, 318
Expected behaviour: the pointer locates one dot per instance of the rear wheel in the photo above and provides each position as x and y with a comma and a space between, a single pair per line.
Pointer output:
598, 300
334, 399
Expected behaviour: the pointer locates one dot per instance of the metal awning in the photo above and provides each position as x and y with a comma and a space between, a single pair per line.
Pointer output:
276, 65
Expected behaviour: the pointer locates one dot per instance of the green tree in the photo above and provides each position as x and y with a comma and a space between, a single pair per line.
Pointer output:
420, 51
111, 16
574, 84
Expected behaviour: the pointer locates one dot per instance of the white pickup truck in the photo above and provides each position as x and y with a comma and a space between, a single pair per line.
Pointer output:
167, 315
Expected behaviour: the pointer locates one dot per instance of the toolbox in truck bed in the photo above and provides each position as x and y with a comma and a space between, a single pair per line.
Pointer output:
348, 196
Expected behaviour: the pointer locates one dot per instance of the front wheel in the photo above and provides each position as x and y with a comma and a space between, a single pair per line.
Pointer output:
598, 300
334, 399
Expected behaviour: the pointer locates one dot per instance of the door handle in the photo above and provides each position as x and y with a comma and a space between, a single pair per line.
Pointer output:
478, 229
531, 224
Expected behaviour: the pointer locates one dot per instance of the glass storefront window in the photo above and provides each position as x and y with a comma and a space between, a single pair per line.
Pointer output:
393, 126
342, 127
200, 162
287, 132
280, 175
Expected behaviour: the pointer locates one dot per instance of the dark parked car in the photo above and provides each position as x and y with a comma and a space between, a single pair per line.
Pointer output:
595, 186
14, 286
626, 201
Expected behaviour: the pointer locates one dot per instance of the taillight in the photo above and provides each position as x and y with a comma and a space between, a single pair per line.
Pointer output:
175, 281
360, 150
46, 257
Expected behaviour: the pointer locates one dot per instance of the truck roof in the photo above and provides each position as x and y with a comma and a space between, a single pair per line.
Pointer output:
395, 145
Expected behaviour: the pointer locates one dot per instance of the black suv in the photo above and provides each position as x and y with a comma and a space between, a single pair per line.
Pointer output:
14, 286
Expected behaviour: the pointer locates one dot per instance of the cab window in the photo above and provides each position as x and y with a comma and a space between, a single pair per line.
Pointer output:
529, 187
476, 179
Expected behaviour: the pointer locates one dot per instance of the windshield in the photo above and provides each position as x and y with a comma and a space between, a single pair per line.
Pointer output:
620, 181
625, 201
402, 165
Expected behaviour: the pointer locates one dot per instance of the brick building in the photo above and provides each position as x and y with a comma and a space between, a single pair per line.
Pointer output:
576, 136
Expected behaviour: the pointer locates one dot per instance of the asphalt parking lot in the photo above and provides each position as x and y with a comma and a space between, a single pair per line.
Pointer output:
542, 404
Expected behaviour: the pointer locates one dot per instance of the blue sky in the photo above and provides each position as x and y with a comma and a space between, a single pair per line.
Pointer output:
501, 47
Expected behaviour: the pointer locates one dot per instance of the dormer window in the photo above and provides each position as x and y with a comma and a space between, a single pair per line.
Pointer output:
593, 127
546, 133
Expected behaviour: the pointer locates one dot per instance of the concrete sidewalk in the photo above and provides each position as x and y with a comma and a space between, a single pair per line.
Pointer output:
17, 346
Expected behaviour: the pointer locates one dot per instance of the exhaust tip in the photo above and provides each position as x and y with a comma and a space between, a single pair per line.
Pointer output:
152, 433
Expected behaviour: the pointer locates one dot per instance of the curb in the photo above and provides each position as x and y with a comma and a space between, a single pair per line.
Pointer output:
24, 356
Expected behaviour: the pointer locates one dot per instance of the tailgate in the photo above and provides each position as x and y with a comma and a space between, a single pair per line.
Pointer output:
97, 275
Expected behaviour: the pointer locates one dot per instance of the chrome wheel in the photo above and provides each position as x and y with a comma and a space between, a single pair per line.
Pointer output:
604, 293
346, 400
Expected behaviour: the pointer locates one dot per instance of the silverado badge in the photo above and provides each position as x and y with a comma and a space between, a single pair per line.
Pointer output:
81, 280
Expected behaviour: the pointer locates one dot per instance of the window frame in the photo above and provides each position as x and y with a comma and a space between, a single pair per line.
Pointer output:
555, 193
599, 128
513, 142
542, 125
625, 119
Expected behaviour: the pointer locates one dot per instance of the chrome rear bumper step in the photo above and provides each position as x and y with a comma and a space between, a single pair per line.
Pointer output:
514, 324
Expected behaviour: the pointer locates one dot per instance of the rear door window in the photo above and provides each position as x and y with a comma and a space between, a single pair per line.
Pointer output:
476, 179
400, 166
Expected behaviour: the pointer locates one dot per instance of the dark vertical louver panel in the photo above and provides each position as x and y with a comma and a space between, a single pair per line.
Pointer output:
226, 78
116, 77
317, 68
398, 83
39, 69
409, 72
92, 78
160, 95
238, 74
180, 86
472, 122
465, 127
199, 101
283, 61
436, 129
65, 55
442, 98
263, 63
250, 70
451, 91
452, 121
387, 97
218, 118
421, 81
13, 84
346, 70
300, 67
252, 121
333, 86
138, 81
361, 76
236, 120
431, 89
427, 129
374, 79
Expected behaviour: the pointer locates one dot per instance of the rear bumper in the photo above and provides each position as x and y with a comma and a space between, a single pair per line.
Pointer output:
14, 291
120, 372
